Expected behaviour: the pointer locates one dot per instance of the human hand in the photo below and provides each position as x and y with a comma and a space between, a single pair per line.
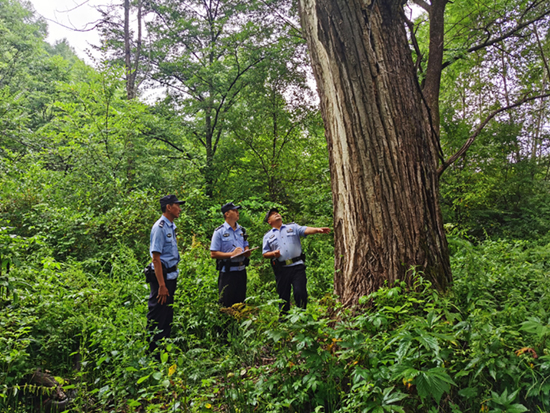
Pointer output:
276, 254
323, 230
236, 251
163, 294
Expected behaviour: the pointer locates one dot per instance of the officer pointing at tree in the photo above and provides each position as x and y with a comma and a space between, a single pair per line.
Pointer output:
283, 247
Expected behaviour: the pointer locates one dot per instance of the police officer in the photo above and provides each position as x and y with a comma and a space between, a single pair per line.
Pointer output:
283, 247
164, 252
228, 240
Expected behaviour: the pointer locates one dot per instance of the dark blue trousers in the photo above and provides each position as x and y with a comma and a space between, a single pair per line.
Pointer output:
160, 316
292, 277
232, 287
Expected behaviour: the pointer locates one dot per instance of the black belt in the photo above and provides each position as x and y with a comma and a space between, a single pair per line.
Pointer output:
292, 260
277, 263
227, 264
171, 269
237, 264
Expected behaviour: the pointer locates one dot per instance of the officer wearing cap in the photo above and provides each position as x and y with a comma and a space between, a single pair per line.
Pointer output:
282, 246
228, 240
164, 252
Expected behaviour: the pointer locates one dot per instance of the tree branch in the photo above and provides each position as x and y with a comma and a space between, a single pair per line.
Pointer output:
478, 130
187, 155
422, 4
504, 36
544, 60
410, 26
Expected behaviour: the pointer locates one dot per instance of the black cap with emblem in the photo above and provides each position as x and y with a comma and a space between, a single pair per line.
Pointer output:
170, 199
269, 213
229, 206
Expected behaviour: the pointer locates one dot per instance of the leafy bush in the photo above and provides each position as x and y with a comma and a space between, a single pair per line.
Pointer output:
482, 346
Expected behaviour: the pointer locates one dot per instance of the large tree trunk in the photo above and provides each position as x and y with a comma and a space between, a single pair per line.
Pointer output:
383, 151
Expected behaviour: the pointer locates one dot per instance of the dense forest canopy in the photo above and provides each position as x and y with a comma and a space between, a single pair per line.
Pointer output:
84, 159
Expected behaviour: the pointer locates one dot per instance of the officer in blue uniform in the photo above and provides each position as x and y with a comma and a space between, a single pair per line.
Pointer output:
228, 240
164, 253
283, 247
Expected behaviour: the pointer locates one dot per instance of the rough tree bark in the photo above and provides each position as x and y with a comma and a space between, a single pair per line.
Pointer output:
383, 147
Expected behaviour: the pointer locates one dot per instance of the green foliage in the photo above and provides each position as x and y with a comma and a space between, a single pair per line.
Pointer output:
483, 346
82, 169
487, 193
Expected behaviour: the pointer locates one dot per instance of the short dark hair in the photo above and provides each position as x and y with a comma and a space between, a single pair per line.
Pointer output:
163, 208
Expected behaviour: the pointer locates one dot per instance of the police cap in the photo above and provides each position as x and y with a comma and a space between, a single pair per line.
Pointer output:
229, 206
269, 213
170, 199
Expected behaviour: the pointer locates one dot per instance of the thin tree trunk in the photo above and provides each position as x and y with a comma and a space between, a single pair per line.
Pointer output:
385, 188
127, 50
131, 67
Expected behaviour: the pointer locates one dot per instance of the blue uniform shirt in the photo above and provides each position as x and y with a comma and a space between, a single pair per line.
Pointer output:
226, 239
286, 240
163, 240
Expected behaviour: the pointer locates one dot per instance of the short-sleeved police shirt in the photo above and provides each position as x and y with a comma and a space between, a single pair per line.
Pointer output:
286, 240
226, 239
163, 240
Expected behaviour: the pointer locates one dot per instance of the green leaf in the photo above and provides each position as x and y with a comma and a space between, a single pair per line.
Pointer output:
403, 348
468, 392
433, 383
428, 341
392, 397
142, 379
516, 408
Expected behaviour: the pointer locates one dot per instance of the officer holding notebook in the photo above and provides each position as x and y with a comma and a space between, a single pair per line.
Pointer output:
229, 240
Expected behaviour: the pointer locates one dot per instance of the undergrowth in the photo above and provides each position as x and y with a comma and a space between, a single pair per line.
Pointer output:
482, 346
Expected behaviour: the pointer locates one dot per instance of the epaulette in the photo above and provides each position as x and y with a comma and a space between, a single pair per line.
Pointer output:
161, 224
220, 227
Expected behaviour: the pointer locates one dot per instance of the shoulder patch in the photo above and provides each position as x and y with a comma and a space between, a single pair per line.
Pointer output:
161, 224
220, 227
